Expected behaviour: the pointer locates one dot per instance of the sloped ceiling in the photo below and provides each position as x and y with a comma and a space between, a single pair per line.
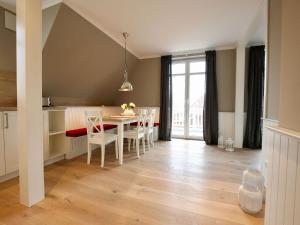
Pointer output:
80, 61
160, 27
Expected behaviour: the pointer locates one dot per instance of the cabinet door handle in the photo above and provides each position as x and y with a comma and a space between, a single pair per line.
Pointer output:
6, 120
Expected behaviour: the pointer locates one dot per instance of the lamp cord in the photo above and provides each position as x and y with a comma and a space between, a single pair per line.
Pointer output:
125, 73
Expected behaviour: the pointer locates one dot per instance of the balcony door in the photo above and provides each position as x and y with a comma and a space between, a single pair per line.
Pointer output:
188, 98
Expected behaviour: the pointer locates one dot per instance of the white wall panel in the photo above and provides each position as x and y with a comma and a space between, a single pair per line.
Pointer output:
226, 124
283, 176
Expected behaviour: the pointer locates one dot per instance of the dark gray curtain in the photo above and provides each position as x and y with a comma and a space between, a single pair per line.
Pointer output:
210, 109
256, 72
165, 121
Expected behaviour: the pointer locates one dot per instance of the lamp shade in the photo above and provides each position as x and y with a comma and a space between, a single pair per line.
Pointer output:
126, 86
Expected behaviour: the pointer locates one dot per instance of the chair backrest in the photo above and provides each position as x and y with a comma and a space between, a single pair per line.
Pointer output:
94, 123
151, 118
142, 120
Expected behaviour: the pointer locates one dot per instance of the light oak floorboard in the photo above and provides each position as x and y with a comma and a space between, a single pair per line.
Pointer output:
177, 183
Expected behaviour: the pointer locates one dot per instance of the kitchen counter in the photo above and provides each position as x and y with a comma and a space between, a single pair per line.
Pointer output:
2, 109
8, 109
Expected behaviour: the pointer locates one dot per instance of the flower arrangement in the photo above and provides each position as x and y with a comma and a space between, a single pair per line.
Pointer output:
125, 106
128, 109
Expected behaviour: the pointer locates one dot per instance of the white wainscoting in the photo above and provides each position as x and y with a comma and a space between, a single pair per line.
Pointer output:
75, 115
264, 165
226, 124
283, 177
75, 119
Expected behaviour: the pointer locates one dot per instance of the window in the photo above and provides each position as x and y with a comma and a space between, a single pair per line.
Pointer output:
188, 98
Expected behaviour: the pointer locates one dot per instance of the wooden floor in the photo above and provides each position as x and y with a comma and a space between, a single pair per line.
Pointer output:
179, 182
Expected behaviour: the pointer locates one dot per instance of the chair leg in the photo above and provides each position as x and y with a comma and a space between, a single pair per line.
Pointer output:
144, 147
102, 154
116, 149
152, 139
89, 154
137, 148
129, 143
148, 141
133, 143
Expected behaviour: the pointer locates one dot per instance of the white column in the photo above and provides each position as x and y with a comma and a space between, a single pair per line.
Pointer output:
29, 96
239, 95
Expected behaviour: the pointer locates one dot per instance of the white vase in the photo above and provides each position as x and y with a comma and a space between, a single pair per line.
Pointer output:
221, 142
254, 177
229, 145
128, 112
250, 198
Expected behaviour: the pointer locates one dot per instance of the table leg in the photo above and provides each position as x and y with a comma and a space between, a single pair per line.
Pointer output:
120, 140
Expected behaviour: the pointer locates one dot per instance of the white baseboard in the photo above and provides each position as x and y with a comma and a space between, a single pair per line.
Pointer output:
16, 173
9, 176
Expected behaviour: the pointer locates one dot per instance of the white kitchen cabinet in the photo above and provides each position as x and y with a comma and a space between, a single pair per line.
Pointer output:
2, 152
54, 140
10, 141
54, 134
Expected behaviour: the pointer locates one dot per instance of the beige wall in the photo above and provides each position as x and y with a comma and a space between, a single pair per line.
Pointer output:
7, 46
49, 16
146, 84
274, 54
83, 66
81, 62
226, 73
289, 107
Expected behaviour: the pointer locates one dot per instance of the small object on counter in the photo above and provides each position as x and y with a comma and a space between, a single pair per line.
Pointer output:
47, 102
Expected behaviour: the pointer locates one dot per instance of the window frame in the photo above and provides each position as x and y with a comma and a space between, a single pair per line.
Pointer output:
187, 75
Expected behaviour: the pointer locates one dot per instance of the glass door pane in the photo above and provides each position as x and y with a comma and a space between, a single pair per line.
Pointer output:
178, 106
188, 98
196, 96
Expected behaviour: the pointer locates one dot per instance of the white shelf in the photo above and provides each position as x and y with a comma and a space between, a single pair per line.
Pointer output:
56, 121
56, 132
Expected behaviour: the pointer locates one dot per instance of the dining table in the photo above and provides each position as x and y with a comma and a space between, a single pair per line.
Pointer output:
121, 122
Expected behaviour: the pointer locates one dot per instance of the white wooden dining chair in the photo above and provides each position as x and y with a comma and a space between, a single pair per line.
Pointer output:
149, 131
97, 136
137, 134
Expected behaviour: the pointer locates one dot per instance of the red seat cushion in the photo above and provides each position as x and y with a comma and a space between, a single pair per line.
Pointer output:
135, 124
83, 131
109, 126
76, 132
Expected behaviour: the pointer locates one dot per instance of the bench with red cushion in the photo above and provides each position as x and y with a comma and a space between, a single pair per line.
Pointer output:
83, 131
135, 124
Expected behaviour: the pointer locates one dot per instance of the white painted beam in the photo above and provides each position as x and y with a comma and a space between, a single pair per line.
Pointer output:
239, 95
29, 96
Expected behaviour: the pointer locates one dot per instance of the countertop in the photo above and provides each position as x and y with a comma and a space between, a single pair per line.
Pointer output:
2, 109
8, 109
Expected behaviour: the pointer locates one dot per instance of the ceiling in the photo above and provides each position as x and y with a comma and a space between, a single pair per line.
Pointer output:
11, 4
160, 27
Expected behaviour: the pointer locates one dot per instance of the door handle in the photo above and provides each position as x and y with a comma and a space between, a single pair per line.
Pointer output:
6, 120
